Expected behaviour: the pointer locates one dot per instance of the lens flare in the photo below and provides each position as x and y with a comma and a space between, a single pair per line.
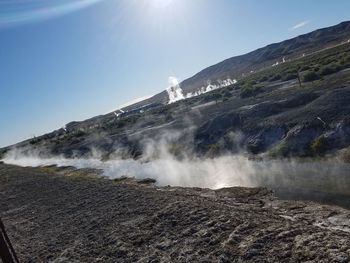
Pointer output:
18, 11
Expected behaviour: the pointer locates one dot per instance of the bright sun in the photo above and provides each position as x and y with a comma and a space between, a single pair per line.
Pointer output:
161, 3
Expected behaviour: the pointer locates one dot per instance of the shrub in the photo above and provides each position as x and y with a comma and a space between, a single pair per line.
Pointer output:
226, 94
275, 77
289, 76
35, 140
304, 68
319, 146
249, 91
346, 65
75, 140
212, 96
347, 58
159, 111
326, 70
169, 117
3, 153
345, 155
345, 62
311, 76
80, 133
263, 79
331, 68
213, 150
280, 150
176, 149
327, 61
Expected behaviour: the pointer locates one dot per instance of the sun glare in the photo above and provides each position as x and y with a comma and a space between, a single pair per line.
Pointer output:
161, 3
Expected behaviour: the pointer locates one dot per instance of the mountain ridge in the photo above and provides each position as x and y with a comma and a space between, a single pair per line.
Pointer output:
273, 112
224, 68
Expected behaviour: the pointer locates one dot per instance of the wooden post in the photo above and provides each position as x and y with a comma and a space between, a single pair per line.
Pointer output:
7, 253
299, 78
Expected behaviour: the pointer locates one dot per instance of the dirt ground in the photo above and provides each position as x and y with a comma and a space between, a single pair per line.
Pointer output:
67, 215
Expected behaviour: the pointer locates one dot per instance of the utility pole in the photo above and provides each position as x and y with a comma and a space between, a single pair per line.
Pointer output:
7, 253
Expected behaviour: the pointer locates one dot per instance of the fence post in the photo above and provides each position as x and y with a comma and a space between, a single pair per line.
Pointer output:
7, 253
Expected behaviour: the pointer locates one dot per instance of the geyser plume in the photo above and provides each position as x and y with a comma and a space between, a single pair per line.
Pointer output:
175, 93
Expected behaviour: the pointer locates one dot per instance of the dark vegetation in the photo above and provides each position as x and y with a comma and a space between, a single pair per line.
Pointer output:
2, 153
319, 146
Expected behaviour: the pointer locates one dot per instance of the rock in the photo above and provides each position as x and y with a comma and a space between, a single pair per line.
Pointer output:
147, 181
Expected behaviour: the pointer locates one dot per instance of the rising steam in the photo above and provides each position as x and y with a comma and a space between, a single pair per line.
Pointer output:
209, 173
211, 87
222, 171
175, 93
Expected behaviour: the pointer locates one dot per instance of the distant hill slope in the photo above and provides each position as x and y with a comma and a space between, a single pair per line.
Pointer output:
297, 108
264, 57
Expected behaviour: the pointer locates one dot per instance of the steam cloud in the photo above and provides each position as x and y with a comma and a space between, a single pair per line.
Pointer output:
174, 91
160, 162
211, 87
157, 162
208, 173
223, 171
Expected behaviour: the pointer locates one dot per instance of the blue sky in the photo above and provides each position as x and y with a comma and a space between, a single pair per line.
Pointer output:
68, 61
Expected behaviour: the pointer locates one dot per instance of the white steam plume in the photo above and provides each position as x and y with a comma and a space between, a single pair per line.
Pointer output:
211, 87
223, 171
175, 93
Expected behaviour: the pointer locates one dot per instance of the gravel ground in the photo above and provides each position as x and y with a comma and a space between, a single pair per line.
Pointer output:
67, 215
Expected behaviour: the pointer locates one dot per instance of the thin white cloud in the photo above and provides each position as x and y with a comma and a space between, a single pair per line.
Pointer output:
300, 25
